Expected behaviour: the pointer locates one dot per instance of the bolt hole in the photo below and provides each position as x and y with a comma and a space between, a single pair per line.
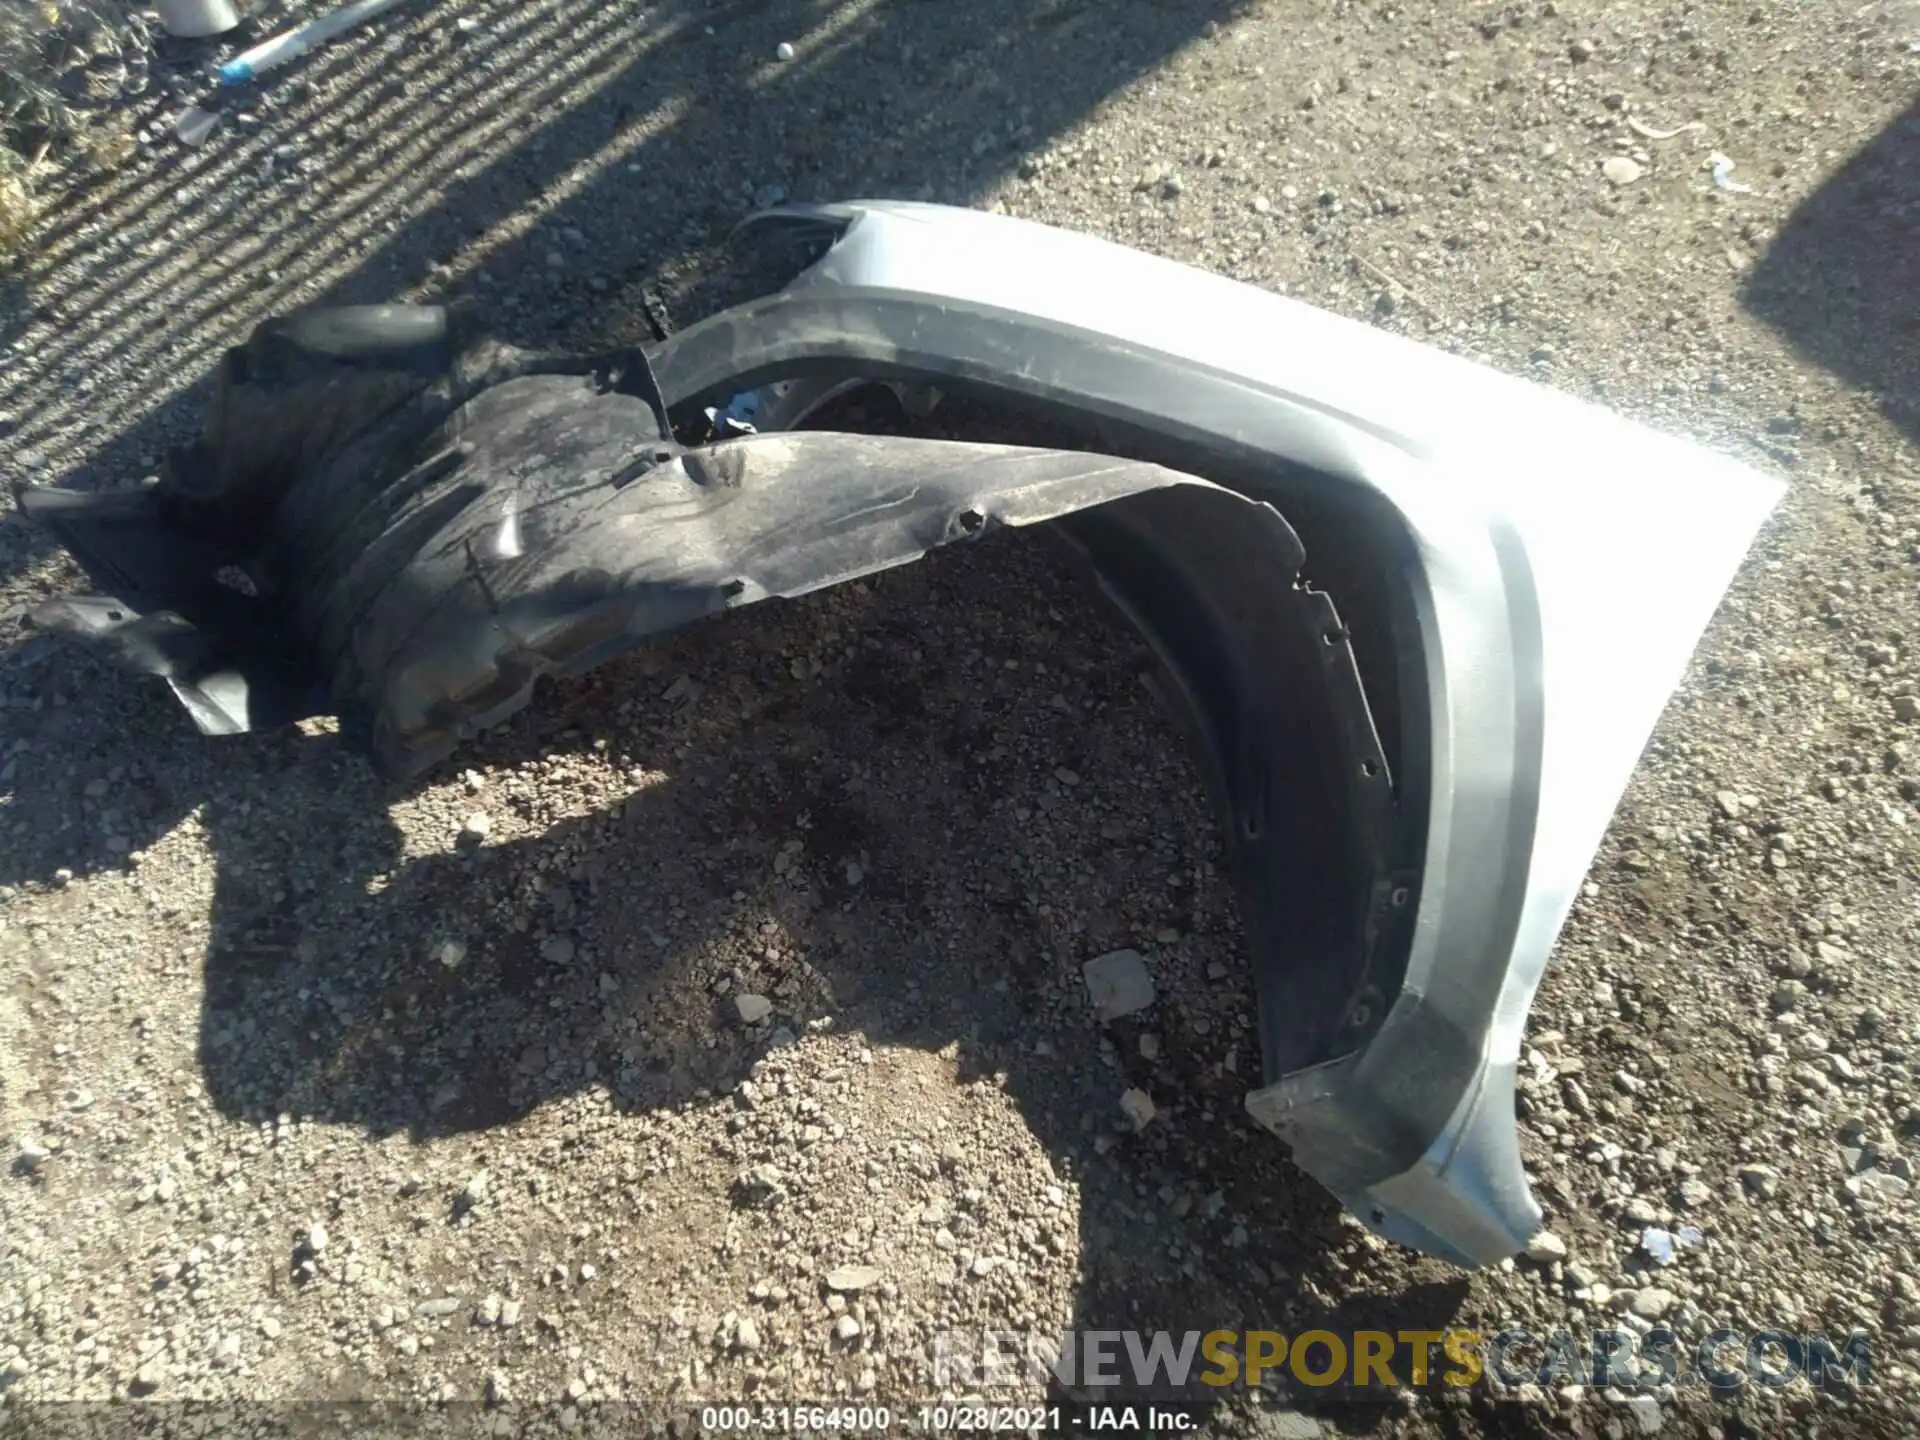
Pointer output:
1333, 637
1400, 897
1251, 827
1369, 769
115, 616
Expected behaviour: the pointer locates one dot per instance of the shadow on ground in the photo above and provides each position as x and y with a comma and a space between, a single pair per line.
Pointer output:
1841, 281
572, 164
602, 949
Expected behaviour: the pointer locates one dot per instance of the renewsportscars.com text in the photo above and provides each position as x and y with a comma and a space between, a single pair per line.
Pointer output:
1197, 1362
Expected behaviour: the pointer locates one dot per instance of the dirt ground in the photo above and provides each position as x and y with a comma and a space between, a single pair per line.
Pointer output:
316, 1088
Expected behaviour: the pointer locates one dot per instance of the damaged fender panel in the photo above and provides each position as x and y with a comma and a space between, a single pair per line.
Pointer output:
1547, 569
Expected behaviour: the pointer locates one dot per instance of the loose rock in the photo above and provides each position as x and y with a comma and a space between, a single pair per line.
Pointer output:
1119, 984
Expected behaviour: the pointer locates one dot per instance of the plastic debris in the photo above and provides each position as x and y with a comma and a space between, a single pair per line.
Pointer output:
291, 44
1723, 175
1648, 132
197, 19
736, 417
195, 125
783, 51
1664, 1246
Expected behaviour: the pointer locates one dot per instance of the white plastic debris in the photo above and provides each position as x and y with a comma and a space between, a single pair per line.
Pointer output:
195, 124
783, 51
197, 19
1650, 132
1723, 175
291, 44
1664, 1246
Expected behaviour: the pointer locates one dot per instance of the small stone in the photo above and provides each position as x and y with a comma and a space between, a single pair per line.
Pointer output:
846, 1329
451, 953
1906, 707
1276, 1424
474, 1193
1149, 1047
1138, 1107
150, 1377
1881, 1185
557, 950
1546, 1247
30, 1159
783, 51
498, 1391
509, 1314
850, 1279
984, 1265
487, 1313
1695, 1194
746, 1336
1651, 1303
752, 1009
1119, 984
1645, 1412
437, 1309
477, 826
1621, 169
1576, 1097
1580, 51
315, 1241
1641, 1211
271, 1328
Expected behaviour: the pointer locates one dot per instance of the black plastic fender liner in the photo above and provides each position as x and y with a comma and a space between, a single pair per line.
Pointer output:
456, 635
1278, 720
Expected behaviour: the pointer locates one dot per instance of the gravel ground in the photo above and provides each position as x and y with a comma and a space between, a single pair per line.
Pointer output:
583, 1070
